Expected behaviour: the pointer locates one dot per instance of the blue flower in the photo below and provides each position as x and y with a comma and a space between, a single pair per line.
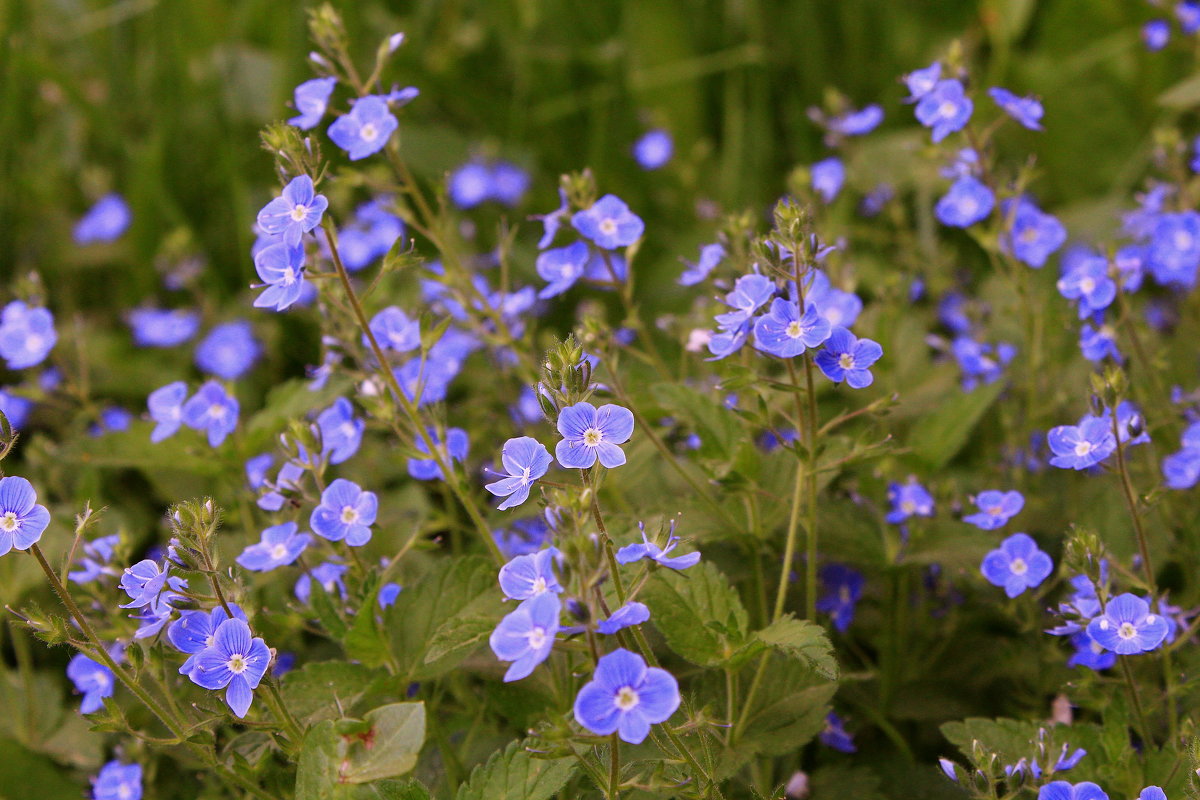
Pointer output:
562, 267
104, 221
228, 351
995, 509
921, 82
235, 662
22, 519
908, 500
286, 480
843, 589
194, 631
748, 295
609, 223
1174, 252
836, 736
1188, 14
95, 559
279, 546
327, 574
626, 697
710, 256
827, 177
93, 680
295, 212
968, 201
648, 549
166, 409
526, 636
509, 183
144, 582
455, 449
15, 408
1017, 565
393, 330
846, 357
783, 332
589, 432
1088, 282
1089, 653
365, 129
118, 781
153, 327
388, 594
1033, 235
654, 149
311, 98
1081, 446
839, 307
977, 363
1129, 418
341, 432
345, 512
1155, 34
526, 536
529, 575
212, 410
525, 459
857, 122
1062, 790
26, 335
1025, 110
1128, 626
1099, 343
470, 184
628, 615
1152, 793
945, 108
553, 221
281, 268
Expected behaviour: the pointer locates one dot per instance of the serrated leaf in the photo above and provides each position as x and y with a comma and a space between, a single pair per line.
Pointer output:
451, 587
787, 712
315, 691
802, 640
720, 429
364, 640
410, 789
516, 774
699, 613
459, 636
389, 747
939, 435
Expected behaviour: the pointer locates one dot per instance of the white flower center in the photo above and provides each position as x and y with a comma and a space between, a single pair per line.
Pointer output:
368, 132
525, 479
208, 640
1083, 448
1087, 285
608, 226
34, 342
968, 206
1126, 630
237, 664
537, 638
794, 329
593, 436
996, 511
908, 506
627, 698
539, 585
216, 411
846, 361
1018, 566
278, 551
299, 211
947, 109
1183, 240
346, 429
9, 522
124, 791
349, 515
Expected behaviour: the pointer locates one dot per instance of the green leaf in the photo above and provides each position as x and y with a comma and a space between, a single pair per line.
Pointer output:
788, 711
720, 430
459, 636
292, 400
939, 435
389, 747
364, 641
1184, 95
803, 640
416, 620
324, 690
515, 774
699, 613
317, 771
410, 789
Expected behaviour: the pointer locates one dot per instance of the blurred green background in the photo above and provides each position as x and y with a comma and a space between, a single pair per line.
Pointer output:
162, 100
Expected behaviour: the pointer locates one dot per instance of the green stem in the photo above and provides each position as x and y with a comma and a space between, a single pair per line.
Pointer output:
810, 566
409, 408
1143, 728
280, 710
614, 768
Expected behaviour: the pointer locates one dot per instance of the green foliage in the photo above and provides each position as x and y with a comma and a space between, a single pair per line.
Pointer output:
384, 744
700, 614
802, 640
515, 773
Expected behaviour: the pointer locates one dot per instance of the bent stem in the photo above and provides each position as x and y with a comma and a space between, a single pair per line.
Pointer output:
407, 406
